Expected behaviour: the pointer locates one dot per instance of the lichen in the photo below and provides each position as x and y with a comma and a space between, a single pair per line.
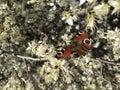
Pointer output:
32, 32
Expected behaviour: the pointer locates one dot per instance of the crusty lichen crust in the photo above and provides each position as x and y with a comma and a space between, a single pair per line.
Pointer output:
33, 31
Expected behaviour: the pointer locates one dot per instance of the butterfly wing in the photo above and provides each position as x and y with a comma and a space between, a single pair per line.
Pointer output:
84, 46
80, 36
87, 43
66, 53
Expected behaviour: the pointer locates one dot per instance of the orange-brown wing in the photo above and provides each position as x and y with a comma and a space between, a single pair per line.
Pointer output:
81, 52
83, 46
81, 36
66, 53
87, 43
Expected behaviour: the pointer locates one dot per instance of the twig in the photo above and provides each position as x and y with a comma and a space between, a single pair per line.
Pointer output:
33, 59
86, 10
108, 62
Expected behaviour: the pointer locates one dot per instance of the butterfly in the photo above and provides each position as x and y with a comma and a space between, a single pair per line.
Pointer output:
80, 44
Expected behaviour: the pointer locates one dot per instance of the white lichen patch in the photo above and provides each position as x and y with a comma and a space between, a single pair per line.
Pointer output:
51, 71
83, 1
87, 64
53, 6
31, 1
13, 84
41, 49
15, 35
101, 10
116, 5
90, 22
66, 38
117, 76
113, 38
68, 18
4, 36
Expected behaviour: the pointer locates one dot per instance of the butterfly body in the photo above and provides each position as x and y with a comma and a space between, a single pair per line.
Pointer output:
80, 44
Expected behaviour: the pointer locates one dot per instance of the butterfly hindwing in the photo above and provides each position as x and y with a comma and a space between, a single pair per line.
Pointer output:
66, 53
